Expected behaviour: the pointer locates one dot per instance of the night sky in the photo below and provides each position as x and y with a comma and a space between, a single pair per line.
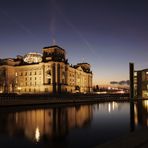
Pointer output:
108, 34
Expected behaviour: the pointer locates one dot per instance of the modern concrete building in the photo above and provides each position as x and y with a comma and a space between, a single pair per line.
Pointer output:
48, 72
141, 83
138, 82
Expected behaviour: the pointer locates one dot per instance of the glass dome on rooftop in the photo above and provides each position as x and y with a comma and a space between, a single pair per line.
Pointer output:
33, 58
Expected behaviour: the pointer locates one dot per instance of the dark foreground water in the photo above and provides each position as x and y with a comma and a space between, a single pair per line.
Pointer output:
74, 127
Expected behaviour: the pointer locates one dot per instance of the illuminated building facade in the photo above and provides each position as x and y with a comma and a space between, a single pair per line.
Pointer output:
141, 83
48, 72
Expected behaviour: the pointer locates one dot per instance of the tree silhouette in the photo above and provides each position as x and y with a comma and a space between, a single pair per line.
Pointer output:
2, 79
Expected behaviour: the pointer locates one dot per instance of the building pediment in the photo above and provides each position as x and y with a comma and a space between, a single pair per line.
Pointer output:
79, 68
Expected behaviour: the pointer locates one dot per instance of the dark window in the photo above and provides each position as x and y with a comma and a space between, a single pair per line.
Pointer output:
46, 89
49, 81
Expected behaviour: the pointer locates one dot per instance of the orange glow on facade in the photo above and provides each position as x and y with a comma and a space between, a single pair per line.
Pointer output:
46, 73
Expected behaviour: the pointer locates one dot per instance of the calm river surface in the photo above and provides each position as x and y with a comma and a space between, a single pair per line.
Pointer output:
74, 126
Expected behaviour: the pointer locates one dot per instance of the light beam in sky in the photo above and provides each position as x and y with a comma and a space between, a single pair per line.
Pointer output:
57, 8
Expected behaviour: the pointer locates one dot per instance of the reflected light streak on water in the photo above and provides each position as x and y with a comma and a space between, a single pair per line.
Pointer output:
70, 126
109, 107
135, 115
37, 134
114, 105
145, 102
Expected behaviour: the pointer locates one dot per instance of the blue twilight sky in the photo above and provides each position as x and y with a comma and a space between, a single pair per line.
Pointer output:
108, 34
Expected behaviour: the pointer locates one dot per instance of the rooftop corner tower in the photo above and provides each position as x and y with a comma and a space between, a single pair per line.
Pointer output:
53, 53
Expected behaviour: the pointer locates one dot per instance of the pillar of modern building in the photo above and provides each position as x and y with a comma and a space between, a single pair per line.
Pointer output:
131, 76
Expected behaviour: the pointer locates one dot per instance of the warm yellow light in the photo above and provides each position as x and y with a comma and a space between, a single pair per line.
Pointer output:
19, 88
135, 115
37, 134
109, 88
145, 104
114, 105
109, 107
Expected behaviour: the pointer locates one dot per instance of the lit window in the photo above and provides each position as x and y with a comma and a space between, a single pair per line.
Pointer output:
135, 73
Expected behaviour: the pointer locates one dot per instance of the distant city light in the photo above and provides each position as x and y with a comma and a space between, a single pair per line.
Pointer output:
109, 88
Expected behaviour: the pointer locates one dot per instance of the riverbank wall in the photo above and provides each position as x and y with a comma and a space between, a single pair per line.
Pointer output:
44, 99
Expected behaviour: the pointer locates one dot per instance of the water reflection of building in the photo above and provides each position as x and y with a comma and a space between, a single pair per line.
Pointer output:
141, 113
110, 106
49, 123
46, 72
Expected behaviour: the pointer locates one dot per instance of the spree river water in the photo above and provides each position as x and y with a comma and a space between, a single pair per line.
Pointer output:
71, 126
